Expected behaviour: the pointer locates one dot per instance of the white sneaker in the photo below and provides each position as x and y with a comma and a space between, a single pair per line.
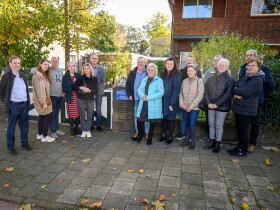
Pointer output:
83, 134
39, 136
53, 135
47, 139
89, 134
60, 132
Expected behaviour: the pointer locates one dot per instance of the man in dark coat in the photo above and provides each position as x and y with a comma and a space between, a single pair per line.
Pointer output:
15, 97
267, 89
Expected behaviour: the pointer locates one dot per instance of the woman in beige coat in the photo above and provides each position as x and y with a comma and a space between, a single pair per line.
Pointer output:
42, 102
192, 90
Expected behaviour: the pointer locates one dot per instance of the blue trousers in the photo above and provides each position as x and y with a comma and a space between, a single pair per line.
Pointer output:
182, 123
147, 124
98, 102
56, 106
191, 119
17, 112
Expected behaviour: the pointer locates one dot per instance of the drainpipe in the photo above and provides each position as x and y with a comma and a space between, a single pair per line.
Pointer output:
171, 24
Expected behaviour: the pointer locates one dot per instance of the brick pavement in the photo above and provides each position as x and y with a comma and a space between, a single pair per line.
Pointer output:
97, 170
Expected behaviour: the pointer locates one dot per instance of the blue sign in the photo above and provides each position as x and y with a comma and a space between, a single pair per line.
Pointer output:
121, 95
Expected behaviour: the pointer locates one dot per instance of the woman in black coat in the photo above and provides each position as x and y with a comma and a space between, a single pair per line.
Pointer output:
245, 104
172, 82
71, 98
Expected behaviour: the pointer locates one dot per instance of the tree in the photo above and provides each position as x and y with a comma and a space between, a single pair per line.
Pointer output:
120, 39
232, 46
160, 47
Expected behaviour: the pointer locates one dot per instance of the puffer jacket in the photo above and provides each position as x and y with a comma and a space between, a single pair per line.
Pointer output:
250, 89
67, 86
191, 93
154, 97
89, 82
218, 90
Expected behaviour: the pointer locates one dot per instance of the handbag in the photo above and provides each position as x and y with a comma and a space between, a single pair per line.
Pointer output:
81, 92
202, 106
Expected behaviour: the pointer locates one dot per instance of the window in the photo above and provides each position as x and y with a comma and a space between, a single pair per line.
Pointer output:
265, 7
197, 9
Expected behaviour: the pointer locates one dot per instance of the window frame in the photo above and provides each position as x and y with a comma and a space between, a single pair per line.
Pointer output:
260, 15
197, 3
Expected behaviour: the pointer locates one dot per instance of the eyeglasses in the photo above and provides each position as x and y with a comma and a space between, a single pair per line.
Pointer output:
251, 66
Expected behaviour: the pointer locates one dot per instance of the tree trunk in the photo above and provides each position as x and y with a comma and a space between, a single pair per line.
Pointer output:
67, 33
5, 53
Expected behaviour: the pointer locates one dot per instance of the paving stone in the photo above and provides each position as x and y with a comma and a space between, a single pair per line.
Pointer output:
97, 191
191, 203
215, 187
170, 171
153, 165
146, 184
258, 181
229, 164
171, 205
127, 176
133, 207
171, 194
90, 172
137, 195
81, 182
56, 186
189, 168
133, 166
117, 161
154, 174
123, 154
111, 169
192, 191
124, 188
70, 196
33, 170
116, 201
252, 170
68, 174
44, 177
191, 160
212, 176
49, 196
105, 179
270, 169
239, 184
211, 166
218, 201
172, 162
25, 164
55, 168
173, 155
136, 159
238, 195
30, 190
195, 179
263, 193
269, 205
208, 158
273, 177
233, 172
169, 181
78, 165
97, 163
9, 190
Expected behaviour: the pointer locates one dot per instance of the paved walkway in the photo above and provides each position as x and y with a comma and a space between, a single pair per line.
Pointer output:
60, 175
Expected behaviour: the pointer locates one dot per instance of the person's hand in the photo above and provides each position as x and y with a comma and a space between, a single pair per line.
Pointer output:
45, 106
63, 94
39, 75
215, 106
188, 109
145, 98
130, 98
238, 97
87, 90
170, 108
210, 106
184, 107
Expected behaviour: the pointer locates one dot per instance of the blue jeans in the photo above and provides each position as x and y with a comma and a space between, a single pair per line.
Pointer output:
191, 119
56, 106
147, 124
182, 123
17, 112
98, 102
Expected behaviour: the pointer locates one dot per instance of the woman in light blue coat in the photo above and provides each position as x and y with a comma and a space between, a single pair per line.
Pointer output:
150, 93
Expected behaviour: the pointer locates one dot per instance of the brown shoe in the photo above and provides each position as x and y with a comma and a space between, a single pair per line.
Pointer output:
251, 148
147, 136
136, 134
233, 142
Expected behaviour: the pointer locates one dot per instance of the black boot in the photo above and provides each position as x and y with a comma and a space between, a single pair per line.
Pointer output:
162, 138
211, 144
77, 130
72, 126
217, 147
137, 138
169, 140
149, 140
185, 143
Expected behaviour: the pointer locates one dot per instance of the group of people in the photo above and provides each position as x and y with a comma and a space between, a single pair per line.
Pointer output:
49, 88
184, 92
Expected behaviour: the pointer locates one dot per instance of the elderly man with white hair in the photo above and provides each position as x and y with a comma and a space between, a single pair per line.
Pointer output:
217, 96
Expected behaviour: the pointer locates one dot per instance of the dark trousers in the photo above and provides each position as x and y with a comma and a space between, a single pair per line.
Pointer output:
168, 124
206, 124
17, 112
44, 122
140, 127
255, 127
242, 125
56, 106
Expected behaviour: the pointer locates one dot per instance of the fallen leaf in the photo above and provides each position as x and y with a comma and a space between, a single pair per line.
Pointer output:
114, 168
162, 198
73, 146
144, 200
113, 209
60, 180
72, 162
148, 176
6, 185
245, 206
134, 199
82, 185
83, 209
232, 200
264, 208
149, 208
271, 188
116, 131
26, 206
85, 161
109, 188
97, 204
158, 205
131, 171
174, 195
235, 160
9, 169
66, 141
274, 149
84, 201
268, 163
5, 129
54, 141
43, 186
221, 174
141, 171
141, 151
245, 199
33, 205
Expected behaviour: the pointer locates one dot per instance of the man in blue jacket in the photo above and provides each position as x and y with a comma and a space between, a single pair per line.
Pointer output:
267, 89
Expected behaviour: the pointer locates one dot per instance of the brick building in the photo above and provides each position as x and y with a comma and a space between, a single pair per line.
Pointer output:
193, 20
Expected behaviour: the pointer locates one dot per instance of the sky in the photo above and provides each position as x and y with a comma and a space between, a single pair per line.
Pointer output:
135, 12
